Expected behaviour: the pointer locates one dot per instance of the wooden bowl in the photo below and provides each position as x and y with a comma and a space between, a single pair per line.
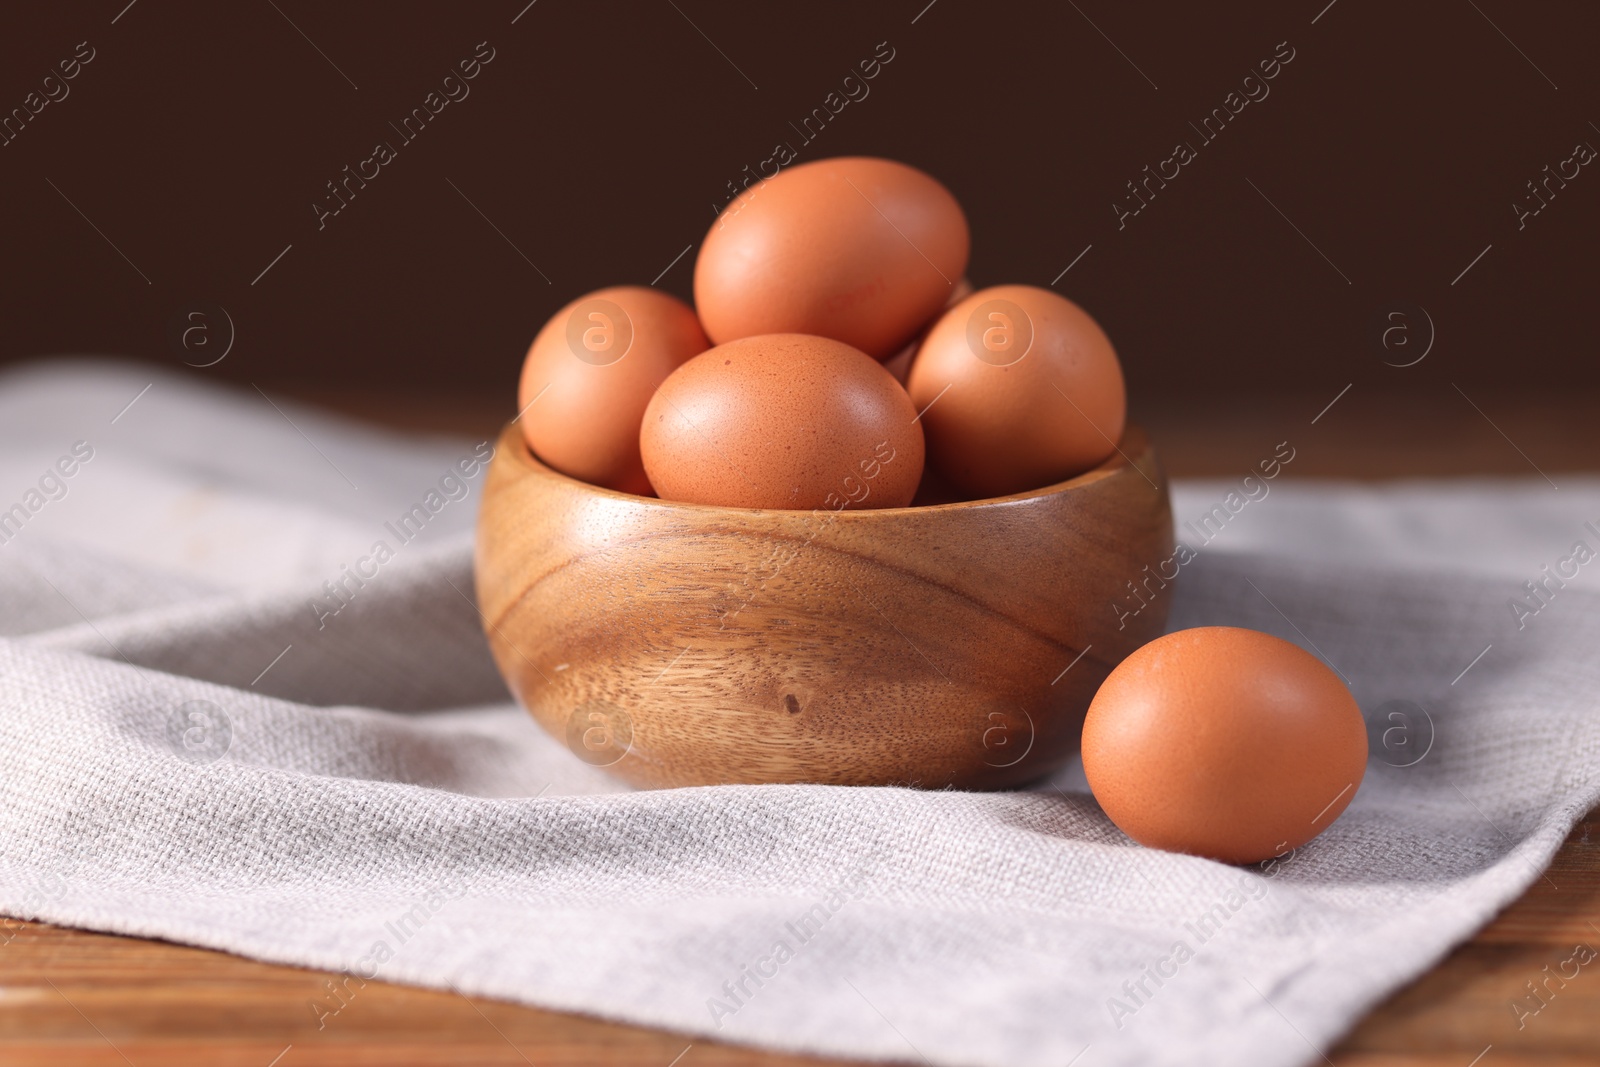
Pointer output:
949, 645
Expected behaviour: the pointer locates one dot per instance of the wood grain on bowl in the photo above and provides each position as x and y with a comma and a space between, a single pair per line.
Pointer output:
955, 645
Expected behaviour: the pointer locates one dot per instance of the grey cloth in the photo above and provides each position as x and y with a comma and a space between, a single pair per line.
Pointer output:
190, 749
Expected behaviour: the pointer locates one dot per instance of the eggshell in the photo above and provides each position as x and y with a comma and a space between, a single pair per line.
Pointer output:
783, 421
1022, 389
864, 251
1223, 742
589, 374
899, 364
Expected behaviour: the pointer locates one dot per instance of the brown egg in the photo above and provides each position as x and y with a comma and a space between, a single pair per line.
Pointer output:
783, 421
1025, 391
591, 371
899, 364
1223, 742
864, 251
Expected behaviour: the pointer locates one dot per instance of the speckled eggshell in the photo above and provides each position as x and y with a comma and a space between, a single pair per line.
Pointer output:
783, 421
590, 373
1025, 391
1224, 742
865, 251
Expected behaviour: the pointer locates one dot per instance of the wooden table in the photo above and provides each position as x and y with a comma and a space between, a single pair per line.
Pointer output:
68, 996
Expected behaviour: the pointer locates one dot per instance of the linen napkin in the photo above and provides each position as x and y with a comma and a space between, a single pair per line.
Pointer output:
191, 749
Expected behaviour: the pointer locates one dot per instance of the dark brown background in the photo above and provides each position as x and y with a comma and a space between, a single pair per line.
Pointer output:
601, 135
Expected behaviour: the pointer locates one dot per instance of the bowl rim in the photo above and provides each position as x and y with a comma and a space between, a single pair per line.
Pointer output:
1134, 438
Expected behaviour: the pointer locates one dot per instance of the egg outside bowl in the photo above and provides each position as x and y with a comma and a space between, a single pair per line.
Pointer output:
947, 645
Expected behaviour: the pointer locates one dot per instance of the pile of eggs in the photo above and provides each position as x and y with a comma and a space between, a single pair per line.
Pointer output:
835, 357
